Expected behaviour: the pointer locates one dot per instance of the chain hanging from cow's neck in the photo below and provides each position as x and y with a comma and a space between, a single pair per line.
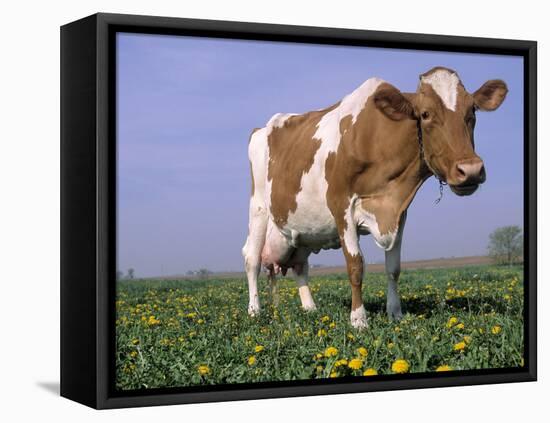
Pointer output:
423, 159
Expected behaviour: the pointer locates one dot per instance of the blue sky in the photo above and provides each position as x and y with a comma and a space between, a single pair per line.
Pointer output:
186, 107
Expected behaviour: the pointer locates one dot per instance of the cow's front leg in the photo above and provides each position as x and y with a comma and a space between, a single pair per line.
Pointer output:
349, 239
393, 269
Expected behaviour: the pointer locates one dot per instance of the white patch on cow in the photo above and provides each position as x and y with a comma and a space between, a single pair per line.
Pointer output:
351, 238
278, 120
358, 318
445, 84
367, 222
312, 218
328, 129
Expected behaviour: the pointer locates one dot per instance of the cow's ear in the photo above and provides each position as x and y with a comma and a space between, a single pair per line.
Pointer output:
490, 95
390, 101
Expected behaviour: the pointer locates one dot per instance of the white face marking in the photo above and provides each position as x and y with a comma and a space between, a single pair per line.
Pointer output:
367, 220
358, 318
445, 84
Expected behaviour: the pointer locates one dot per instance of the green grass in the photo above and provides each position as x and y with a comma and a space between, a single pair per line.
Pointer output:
167, 330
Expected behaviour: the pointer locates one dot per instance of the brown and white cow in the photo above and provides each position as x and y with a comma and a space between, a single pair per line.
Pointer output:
321, 179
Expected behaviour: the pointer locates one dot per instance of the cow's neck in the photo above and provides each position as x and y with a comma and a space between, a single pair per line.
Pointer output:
394, 171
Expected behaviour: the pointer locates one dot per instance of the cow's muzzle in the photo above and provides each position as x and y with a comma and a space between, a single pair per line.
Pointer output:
466, 176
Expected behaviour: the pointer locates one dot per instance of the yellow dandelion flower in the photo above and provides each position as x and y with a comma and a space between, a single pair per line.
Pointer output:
460, 346
400, 366
362, 351
507, 297
467, 339
452, 321
133, 354
481, 331
370, 372
152, 321
391, 345
319, 356
203, 370
325, 319
444, 368
321, 333
319, 369
331, 352
332, 325
333, 374
350, 336
135, 341
495, 330
341, 362
460, 326
251, 360
355, 364
258, 348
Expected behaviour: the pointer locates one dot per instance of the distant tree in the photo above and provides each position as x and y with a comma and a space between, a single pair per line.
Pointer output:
190, 273
119, 275
203, 273
130, 273
506, 245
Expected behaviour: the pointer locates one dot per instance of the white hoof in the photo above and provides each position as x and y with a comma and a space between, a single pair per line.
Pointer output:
253, 310
309, 307
359, 318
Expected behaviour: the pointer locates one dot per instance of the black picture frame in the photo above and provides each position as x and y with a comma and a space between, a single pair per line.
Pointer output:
88, 199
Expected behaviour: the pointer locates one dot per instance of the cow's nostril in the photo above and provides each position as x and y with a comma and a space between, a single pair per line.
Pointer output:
470, 172
461, 172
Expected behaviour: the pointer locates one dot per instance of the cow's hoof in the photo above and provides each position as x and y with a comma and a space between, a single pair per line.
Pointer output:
359, 318
309, 307
394, 313
253, 310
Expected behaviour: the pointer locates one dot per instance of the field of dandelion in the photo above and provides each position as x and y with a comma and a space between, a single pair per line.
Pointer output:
184, 333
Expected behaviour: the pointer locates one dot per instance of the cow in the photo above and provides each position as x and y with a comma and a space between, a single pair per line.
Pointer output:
323, 178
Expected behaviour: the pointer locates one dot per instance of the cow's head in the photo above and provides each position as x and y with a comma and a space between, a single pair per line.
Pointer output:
446, 113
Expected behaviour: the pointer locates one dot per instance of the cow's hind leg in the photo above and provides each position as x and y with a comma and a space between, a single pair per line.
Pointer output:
252, 252
301, 270
393, 269
272, 279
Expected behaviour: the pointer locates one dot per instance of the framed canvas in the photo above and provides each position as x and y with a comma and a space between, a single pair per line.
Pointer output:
257, 211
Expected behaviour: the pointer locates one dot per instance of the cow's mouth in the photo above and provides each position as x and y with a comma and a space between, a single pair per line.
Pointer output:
464, 189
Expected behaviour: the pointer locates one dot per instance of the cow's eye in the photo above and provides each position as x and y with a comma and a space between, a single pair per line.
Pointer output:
425, 115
